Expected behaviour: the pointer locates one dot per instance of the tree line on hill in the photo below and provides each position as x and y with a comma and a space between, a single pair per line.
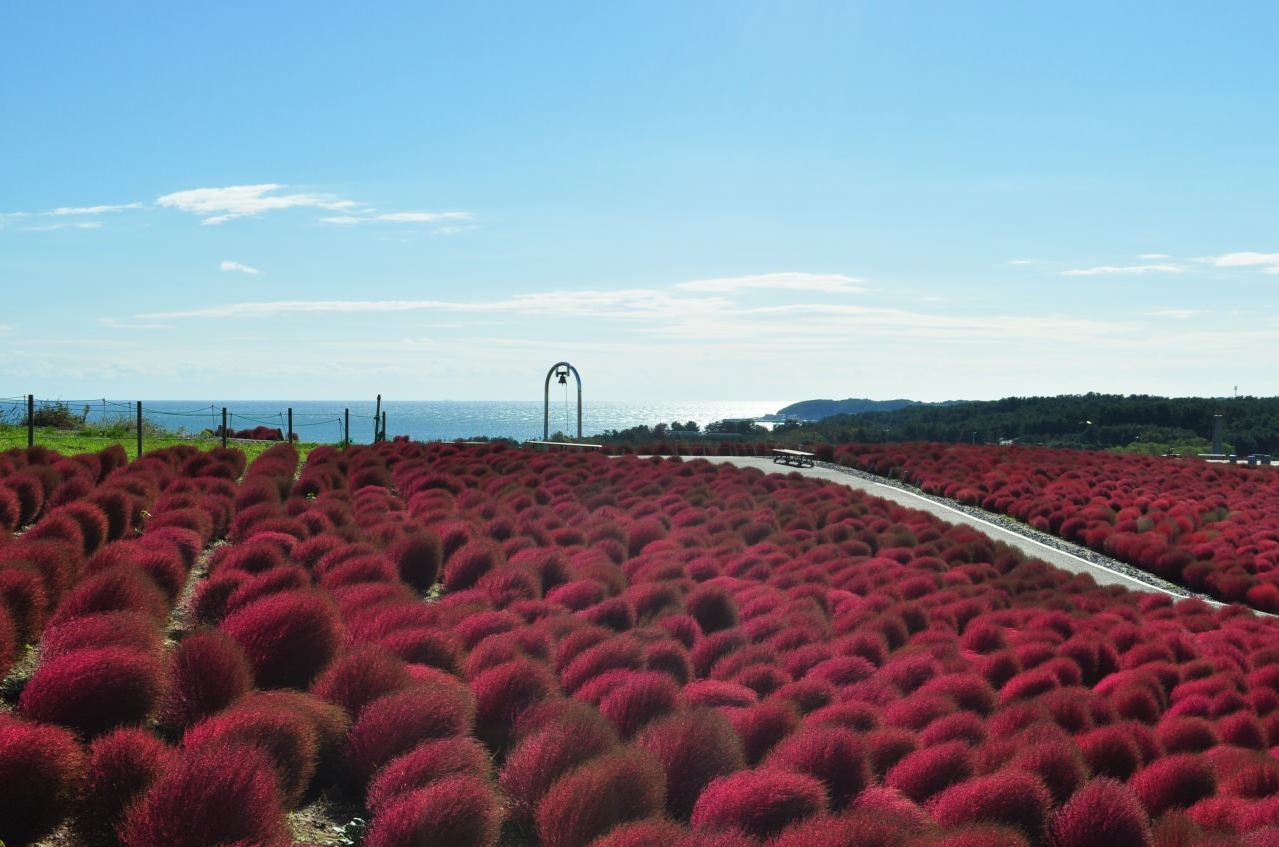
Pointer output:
1136, 422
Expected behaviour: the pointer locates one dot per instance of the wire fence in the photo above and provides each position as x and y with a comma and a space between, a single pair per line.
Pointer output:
27, 420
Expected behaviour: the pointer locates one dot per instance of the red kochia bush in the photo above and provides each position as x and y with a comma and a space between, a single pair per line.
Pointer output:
212, 795
1173, 782
122, 765
118, 589
426, 763
470, 562
693, 747
712, 607
618, 787
40, 772
639, 698
207, 672
285, 735
923, 773
359, 677
394, 724
1102, 812
288, 637
105, 629
546, 752
458, 811
94, 689
503, 693
655, 832
831, 754
759, 803
1012, 798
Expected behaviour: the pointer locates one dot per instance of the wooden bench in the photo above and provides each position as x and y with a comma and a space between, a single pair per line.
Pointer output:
562, 445
794, 458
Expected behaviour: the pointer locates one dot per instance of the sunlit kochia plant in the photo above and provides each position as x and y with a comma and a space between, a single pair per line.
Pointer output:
41, 768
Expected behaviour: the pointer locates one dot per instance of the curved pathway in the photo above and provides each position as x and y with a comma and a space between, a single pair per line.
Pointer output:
1058, 553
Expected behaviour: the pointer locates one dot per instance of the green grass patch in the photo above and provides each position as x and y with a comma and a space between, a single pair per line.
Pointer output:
91, 439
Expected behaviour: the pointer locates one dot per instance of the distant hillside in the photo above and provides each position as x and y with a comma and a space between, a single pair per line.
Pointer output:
1081, 420
815, 410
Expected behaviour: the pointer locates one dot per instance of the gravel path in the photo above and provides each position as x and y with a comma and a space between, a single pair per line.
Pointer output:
1030, 541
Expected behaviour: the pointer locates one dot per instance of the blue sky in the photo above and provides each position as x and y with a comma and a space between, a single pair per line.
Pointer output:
686, 200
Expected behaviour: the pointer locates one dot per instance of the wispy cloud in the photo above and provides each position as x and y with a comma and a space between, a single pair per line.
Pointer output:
64, 211
452, 230
787, 281
112, 323
1152, 256
1107, 270
1022, 261
1179, 314
5, 329
227, 266
65, 225
399, 218
1269, 262
219, 205
638, 303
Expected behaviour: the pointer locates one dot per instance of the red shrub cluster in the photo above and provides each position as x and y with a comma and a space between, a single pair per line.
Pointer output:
41, 768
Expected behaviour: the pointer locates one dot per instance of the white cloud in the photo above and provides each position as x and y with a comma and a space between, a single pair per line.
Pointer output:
227, 266
1151, 256
112, 323
64, 211
1021, 261
421, 217
638, 303
400, 218
1269, 262
218, 205
1105, 270
67, 225
1179, 314
451, 230
788, 281
5, 329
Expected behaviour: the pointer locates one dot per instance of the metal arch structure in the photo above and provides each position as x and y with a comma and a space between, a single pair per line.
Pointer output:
560, 370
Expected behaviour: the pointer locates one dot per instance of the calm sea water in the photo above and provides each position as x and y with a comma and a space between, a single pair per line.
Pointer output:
434, 419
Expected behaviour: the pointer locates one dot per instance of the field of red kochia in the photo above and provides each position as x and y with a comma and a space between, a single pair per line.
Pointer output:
1213, 528
484, 646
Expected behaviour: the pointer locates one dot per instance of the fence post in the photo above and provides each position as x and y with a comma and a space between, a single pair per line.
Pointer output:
290, 437
31, 420
224, 426
139, 428
377, 417
346, 429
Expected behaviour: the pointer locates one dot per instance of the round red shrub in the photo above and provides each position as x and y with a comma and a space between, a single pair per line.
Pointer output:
654, 832
615, 788
1111, 751
287, 738
470, 562
639, 698
94, 689
122, 764
1010, 798
1173, 782
22, 592
693, 748
105, 629
41, 768
249, 587
119, 589
713, 607
360, 676
503, 693
428, 762
212, 795
288, 637
457, 811
207, 672
421, 645
394, 724
762, 725
555, 737
1102, 812
923, 773
834, 755
759, 803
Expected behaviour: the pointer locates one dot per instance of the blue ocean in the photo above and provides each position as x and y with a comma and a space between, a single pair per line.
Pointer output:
429, 420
